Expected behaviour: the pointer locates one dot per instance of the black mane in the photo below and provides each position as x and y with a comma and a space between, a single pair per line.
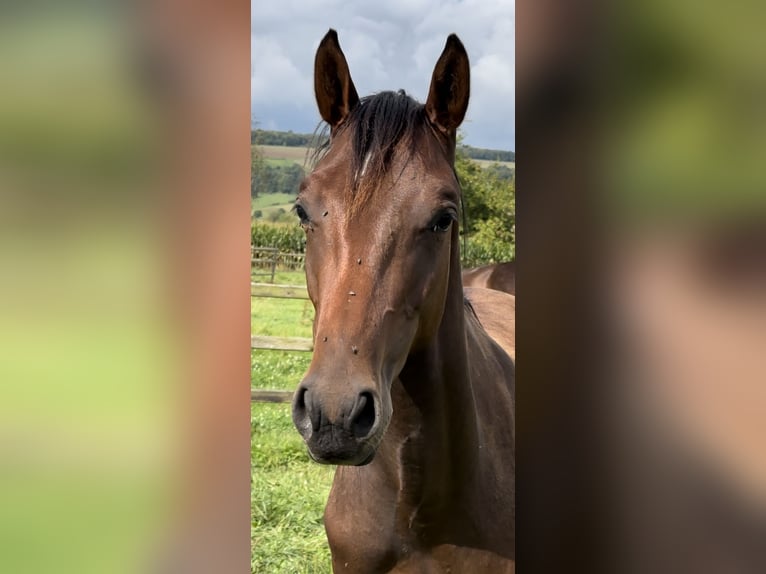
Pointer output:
378, 124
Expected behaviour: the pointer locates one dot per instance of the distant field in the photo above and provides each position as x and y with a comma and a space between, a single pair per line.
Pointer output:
278, 152
282, 162
488, 162
282, 155
273, 199
270, 202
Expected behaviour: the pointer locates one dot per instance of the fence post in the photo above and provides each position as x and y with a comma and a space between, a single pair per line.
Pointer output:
274, 264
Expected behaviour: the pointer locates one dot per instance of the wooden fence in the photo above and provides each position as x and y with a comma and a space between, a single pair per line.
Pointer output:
277, 343
263, 258
264, 261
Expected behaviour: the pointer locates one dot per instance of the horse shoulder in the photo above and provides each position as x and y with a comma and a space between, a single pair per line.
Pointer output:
490, 337
496, 312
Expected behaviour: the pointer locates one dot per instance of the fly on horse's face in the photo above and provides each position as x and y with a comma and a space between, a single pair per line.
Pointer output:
380, 212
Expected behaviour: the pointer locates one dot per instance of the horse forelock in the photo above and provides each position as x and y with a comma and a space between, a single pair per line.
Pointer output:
381, 127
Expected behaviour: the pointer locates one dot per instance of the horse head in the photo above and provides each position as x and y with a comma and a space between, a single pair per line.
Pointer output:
380, 212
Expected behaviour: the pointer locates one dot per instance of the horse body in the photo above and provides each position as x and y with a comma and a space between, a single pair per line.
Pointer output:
499, 276
407, 391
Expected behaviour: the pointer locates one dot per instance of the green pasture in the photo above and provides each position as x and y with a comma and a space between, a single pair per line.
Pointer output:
282, 161
273, 200
279, 318
288, 491
270, 202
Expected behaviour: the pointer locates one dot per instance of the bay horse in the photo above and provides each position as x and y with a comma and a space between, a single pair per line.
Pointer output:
410, 390
499, 276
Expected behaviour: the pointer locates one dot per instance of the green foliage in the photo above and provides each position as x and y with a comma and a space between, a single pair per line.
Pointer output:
266, 137
257, 164
502, 172
284, 236
275, 215
490, 208
268, 177
492, 243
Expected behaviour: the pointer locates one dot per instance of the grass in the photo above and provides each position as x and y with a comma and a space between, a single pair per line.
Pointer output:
288, 491
272, 199
268, 203
288, 495
280, 318
281, 162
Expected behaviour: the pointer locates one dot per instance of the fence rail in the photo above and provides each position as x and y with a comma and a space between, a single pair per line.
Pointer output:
300, 344
278, 291
281, 343
261, 396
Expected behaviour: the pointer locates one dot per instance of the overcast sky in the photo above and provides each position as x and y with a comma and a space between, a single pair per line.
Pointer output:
389, 45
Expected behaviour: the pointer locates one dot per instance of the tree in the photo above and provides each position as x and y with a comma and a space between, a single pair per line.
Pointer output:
490, 210
257, 169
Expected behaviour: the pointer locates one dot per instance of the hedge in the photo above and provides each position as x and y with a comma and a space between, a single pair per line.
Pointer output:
289, 237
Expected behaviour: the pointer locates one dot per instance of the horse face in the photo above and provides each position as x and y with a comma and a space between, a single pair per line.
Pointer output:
378, 281
378, 255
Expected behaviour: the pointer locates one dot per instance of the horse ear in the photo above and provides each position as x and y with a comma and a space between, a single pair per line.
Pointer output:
335, 92
450, 87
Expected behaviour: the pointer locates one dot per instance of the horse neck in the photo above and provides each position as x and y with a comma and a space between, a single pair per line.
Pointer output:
437, 384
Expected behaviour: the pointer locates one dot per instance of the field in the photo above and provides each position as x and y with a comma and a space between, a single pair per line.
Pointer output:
269, 202
284, 154
282, 161
273, 199
489, 162
288, 491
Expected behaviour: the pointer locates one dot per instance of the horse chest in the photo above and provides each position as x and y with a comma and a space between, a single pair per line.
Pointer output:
371, 528
377, 531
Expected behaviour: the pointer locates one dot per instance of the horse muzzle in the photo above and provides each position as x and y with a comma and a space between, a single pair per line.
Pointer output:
338, 430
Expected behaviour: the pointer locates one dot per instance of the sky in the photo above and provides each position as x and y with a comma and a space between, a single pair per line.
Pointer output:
389, 46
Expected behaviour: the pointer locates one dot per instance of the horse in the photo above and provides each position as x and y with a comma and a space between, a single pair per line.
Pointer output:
410, 390
500, 276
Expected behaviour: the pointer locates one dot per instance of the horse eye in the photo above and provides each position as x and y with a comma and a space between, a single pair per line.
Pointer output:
443, 222
301, 213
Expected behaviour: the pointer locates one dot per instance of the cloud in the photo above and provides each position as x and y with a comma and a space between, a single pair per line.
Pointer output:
391, 45
272, 71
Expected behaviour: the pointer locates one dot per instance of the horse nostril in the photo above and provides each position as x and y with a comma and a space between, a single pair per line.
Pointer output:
363, 416
300, 399
304, 413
